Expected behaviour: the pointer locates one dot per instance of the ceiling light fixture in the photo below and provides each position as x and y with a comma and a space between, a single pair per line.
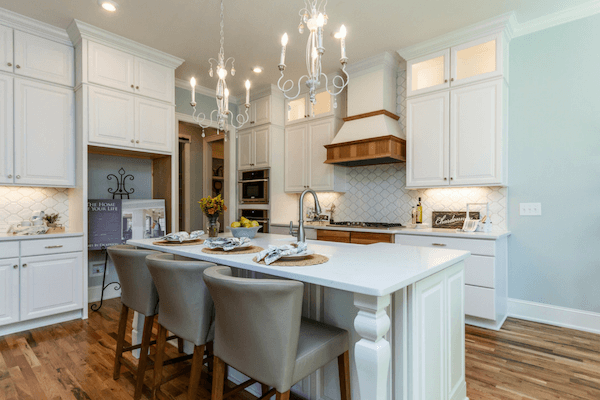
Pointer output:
108, 5
222, 93
257, 70
315, 20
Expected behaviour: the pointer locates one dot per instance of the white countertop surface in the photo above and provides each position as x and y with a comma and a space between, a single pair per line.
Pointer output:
375, 270
5, 237
407, 231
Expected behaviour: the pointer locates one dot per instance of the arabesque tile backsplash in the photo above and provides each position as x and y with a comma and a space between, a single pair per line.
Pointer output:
19, 203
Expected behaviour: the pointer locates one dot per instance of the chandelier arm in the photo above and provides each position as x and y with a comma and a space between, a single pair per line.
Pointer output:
229, 59
200, 118
333, 82
291, 83
240, 118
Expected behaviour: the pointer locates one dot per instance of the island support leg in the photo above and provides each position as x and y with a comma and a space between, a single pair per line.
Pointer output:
372, 353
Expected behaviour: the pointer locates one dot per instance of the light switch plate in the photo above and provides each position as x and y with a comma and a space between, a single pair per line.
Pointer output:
530, 208
97, 268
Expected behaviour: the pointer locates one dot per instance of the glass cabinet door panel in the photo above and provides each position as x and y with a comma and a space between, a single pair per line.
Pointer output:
428, 73
296, 109
323, 105
476, 60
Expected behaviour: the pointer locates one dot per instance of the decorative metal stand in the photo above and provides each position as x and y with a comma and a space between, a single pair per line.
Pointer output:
97, 307
121, 189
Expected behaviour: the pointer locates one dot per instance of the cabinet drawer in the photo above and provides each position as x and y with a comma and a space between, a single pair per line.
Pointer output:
479, 271
9, 249
333, 236
370, 238
475, 246
50, 246
480, 302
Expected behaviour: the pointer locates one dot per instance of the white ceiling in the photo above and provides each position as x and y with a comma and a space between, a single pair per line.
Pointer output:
190, 28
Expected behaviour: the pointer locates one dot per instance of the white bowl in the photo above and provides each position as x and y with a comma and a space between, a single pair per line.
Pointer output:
245, 232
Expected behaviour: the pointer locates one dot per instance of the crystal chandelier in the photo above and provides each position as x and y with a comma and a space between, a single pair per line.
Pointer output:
315, 20
223, 114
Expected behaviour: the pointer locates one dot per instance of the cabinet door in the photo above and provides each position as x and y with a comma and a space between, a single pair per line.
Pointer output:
262, 111
476, 60
320, 175
9, 291
154, 80
427, 140
110, 67
262, 146
245, 149
295, 178
324, 105
50, 284
455, 295
476, 135
111, 117
6, 49
428, 73
44, 134
297, 109
154, 125
44, 59
6, 129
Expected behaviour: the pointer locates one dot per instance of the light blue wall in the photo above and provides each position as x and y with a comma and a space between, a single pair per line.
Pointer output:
554, 159
204, 104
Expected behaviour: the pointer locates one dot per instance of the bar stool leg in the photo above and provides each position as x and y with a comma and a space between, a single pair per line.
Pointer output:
180, 345
283, 396
264, 389
120, 341
218, 379
344, 371
196, 374
141, 372
161, 342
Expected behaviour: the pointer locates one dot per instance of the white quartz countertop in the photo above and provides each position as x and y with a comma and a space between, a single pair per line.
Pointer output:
6, 237
377, 269
406, 231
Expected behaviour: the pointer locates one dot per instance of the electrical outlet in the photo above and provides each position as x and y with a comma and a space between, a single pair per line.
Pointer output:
530, 209
96, 268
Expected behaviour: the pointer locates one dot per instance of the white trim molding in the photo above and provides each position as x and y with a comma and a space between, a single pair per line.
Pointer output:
34, 27
571, 318
558, 18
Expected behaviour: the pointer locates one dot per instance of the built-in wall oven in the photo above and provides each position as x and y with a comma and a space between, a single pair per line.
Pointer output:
261, 216
254, 187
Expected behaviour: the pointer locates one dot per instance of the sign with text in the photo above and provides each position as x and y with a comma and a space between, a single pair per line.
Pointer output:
451, 219
104, 223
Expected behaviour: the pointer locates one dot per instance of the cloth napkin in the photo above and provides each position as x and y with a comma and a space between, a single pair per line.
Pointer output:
182, 236
274, 253
226, 244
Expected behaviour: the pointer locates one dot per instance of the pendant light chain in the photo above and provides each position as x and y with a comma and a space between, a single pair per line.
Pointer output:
222, 51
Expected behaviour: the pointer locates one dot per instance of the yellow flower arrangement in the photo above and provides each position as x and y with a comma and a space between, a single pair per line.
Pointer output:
212, 205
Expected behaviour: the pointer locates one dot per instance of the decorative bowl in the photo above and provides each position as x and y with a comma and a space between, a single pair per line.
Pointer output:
245, 232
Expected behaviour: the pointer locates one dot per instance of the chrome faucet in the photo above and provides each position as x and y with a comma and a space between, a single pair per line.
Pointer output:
301, 236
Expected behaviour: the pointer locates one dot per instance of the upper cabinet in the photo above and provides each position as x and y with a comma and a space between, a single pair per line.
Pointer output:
467, 63
6, 49
123, 71
254, 147
301, 109
6, 130
267, 109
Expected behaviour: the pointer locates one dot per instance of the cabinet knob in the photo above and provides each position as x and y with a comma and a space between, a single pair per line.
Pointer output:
451, 178
15, 266
445, 80
451, 79
132, 141
445, 179
24, 265
132, 86
137, 87
9, 64
10, 176
137, 141
18, 176
17, 66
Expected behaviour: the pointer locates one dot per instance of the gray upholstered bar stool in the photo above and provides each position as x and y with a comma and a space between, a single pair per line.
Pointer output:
259, 331
138, 293
186, 309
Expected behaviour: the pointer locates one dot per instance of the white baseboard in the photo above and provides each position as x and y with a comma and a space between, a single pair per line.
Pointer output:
554, 315
95, 291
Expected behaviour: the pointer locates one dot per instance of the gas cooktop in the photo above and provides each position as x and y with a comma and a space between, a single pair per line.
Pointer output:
377, 225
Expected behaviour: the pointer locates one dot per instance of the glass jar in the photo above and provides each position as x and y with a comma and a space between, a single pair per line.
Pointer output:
212, 228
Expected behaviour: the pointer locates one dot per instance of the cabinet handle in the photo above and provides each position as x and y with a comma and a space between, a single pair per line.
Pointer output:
10, 176
17, 66
18, 176
439, 244
9, 64
58, 246
15, 266
24, 265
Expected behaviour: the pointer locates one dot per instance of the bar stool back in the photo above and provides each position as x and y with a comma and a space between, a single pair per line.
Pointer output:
260, 332
186, 309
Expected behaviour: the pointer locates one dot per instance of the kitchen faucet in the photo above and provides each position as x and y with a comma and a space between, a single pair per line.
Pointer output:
301, 236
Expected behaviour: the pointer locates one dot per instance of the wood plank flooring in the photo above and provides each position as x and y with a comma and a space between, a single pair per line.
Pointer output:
74, 360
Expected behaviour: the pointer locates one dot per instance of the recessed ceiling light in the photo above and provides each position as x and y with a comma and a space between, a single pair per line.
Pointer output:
108, 5
257, 70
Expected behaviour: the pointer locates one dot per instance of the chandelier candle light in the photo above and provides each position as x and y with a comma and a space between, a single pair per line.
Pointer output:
222, 94
315, 20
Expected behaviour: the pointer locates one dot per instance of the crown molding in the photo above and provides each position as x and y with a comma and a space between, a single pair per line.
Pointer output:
387, 60
34, 27
558, 18
504, 23
180, 83
79, 30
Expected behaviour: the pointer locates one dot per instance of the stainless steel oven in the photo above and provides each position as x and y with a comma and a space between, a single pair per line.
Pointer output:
261, 216
254, 187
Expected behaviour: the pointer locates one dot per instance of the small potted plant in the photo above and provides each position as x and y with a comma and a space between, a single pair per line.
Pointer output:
212, 207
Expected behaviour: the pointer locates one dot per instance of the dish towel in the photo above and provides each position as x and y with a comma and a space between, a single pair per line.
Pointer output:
182, 236
226, 244
274, 253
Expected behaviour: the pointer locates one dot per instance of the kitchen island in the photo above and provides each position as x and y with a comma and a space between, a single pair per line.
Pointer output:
408, 333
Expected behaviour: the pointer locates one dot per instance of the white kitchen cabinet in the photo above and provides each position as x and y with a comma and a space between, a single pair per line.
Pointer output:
476, 60
154, 80
6, 49
44, 145
254, 146
321, 176
9, 291
50, 284
111, 117
295, 158
43, 59
427, 140
260, 111
428, 73
110, 67
154, 120
476, 134
301, 109
6, 130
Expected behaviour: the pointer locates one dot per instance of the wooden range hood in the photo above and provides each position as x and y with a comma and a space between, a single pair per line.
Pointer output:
387, 149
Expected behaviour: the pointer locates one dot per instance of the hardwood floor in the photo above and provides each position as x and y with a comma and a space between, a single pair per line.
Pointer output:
74, 360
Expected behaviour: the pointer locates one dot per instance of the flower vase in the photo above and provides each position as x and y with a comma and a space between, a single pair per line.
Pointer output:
213, 225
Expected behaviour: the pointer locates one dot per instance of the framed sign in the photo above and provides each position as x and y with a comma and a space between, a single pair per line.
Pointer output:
451, 219
104, 223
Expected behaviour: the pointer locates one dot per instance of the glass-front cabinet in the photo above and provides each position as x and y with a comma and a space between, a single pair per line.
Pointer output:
301, 109
429, 73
